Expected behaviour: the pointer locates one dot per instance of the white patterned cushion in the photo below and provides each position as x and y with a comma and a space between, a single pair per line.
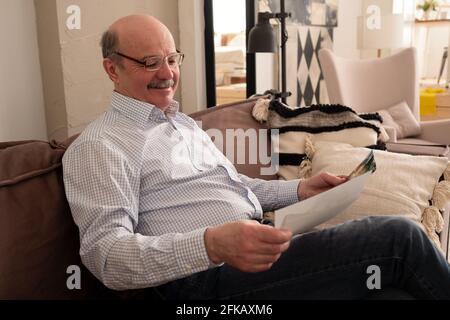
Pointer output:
403, 184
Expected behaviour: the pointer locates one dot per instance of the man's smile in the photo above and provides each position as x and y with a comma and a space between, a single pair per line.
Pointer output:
161, 84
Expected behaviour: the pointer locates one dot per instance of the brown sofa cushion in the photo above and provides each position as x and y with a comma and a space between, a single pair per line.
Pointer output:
237, 115
38, 238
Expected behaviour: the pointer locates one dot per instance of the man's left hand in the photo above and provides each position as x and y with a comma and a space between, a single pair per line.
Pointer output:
317, 184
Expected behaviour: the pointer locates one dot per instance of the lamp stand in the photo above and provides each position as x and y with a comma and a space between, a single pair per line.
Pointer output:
284, 38
263, 39
281, 16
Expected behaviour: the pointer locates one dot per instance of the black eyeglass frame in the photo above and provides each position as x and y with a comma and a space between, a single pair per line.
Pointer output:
143, 62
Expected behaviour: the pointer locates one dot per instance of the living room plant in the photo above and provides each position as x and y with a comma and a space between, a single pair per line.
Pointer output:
428, 6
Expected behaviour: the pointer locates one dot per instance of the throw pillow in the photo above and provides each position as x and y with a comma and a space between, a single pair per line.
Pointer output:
391, 132
401, 119
326, 122
403, 184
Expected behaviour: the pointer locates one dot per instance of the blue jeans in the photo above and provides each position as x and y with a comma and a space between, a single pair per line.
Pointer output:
333, 264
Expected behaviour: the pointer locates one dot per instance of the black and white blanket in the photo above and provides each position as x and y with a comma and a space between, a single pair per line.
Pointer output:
290, 127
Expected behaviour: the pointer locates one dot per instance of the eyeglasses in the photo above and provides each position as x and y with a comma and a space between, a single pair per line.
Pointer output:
154, 63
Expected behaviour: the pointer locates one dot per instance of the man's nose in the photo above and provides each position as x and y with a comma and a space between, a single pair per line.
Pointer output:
165, 72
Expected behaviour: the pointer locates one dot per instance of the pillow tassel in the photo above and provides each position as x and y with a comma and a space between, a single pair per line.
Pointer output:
447, 173
432, 219
441, 194
310, 149
261, 110
305, 168
434, 224
384, 136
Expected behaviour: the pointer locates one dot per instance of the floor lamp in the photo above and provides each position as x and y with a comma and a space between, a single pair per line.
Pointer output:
262, 38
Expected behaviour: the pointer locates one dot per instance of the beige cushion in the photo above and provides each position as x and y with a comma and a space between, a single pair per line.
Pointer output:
401, 119
391, 132
402, 184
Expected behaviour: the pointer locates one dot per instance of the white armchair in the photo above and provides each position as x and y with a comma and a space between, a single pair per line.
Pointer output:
376, 84
373, 84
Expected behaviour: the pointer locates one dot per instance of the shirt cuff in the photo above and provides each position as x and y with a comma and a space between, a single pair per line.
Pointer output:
288, 192
190, 252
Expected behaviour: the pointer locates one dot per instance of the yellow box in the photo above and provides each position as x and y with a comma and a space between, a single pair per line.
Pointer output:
428, 100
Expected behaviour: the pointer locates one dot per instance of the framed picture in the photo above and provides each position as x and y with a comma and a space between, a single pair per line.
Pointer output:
309, 12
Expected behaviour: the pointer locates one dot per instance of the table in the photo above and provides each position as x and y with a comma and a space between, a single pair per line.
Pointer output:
442, 108
441, 113
231, 93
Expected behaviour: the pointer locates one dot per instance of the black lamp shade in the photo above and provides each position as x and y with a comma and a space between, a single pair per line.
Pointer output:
261, 38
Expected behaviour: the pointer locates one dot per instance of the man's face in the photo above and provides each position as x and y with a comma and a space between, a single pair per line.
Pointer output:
156, 87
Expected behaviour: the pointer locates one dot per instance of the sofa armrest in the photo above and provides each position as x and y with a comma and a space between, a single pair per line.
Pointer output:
437, 131
419, 149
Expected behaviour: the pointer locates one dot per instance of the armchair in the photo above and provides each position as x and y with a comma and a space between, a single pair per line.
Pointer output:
375, 84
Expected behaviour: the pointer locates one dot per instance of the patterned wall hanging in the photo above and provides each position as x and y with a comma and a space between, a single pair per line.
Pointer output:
307, 84
310, 29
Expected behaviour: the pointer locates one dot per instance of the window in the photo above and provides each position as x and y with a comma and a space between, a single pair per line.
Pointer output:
230, 71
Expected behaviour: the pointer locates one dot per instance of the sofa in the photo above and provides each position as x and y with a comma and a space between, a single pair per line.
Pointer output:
39, 241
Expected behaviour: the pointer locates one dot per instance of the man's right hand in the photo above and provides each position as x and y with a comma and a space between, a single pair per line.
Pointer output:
246, 245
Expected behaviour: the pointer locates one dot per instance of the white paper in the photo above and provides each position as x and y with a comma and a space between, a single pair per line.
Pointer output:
305, 215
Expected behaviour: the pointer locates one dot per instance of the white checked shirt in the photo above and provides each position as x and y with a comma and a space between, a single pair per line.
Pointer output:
143, 187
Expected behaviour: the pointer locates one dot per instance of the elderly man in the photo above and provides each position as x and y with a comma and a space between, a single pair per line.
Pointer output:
189, 229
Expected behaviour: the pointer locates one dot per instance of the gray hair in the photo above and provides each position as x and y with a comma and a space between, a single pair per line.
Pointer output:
110, 45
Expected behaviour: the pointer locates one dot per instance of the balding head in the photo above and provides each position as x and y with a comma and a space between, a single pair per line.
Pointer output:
131, 32
126, 44
136, 23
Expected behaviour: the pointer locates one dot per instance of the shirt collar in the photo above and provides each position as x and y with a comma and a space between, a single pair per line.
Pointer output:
141, 112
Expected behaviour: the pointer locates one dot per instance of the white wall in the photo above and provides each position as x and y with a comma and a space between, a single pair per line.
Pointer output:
193, 76
345, 34
430, 40
22, 114
76, 88
266, 72
448, 60
86, 85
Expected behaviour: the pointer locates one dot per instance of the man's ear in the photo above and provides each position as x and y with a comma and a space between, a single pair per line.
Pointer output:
111, 69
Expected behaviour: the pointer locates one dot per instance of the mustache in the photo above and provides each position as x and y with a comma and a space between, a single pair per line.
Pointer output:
161, 84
